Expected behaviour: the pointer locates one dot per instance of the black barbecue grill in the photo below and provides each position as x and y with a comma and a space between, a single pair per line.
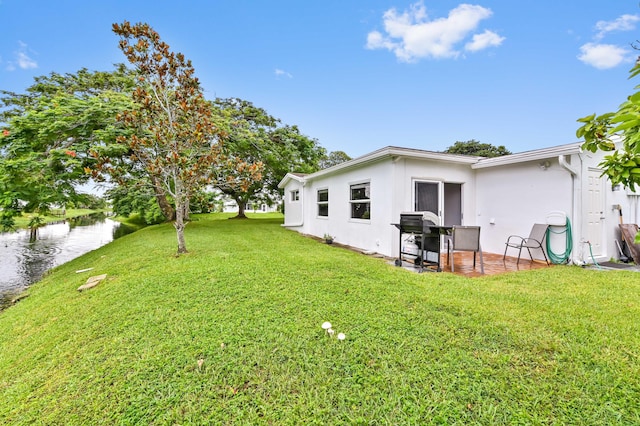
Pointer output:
426, 234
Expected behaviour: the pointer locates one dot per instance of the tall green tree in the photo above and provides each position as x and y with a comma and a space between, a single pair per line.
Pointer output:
333, 159
47, 135
75, 114
474, 147
260, 139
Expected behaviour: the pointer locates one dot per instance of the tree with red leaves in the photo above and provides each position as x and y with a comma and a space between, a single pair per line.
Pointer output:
173, 134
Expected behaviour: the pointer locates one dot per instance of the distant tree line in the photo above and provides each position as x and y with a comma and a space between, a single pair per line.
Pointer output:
474, 147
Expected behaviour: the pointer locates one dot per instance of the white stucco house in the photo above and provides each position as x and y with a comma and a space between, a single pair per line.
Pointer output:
230, 206
357, 201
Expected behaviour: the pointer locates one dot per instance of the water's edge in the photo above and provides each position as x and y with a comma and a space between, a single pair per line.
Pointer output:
24, 262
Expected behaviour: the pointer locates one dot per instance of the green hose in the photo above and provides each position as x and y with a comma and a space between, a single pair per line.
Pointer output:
593, 258
564, 257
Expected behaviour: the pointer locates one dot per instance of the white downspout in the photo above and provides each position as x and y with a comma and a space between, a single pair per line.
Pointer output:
562, 159
575, 200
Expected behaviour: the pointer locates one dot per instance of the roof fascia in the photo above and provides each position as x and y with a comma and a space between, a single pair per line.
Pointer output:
290, 176
475, 162
395, 153
523, 157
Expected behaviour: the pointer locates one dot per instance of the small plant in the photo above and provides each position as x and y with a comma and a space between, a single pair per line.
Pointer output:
329, 238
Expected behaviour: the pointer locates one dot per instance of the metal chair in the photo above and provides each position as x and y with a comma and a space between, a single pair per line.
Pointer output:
533, 241
465, 238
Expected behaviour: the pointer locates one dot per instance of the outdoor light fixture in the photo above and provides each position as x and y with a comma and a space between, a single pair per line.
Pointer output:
545, 165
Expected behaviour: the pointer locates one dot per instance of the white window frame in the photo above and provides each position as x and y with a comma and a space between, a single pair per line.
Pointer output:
295, 195
322, 203
364, 184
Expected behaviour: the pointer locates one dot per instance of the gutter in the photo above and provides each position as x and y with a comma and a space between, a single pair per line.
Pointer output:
527, 156
562, 159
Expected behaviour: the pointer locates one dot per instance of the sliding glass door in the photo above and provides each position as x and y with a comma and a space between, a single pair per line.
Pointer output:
443, 199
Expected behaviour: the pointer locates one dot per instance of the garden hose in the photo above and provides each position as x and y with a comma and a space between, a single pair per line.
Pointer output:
564, 257
592, 258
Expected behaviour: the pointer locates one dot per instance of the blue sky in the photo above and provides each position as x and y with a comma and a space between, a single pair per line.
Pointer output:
361, 75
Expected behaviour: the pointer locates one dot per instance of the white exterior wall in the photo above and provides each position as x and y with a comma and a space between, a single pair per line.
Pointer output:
293, 210
511, 198
373, 234
411, 170
391, 184
505, 197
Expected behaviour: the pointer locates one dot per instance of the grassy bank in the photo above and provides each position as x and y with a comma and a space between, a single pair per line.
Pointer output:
231, 334
55, 216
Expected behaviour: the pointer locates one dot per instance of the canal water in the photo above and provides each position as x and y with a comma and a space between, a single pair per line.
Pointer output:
24, 261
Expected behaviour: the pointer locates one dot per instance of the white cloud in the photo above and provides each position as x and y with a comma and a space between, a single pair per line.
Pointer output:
282, 73
25, 62
484, 40
602, 56
411, 35
22, 59
623, 23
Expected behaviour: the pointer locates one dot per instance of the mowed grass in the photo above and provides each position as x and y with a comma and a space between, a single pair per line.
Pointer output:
231, 334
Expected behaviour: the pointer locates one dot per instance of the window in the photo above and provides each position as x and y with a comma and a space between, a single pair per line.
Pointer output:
323, 202
360, 201
427, 196
295, 195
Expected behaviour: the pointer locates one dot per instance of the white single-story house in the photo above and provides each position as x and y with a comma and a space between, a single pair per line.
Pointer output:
358, 201
230, 206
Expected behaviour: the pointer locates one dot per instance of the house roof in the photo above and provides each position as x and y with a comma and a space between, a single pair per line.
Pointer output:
395, 152
299, 177
474, 162
533, 155
392, 152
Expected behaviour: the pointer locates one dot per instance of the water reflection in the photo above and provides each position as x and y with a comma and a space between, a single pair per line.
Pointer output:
24, 261
122, 229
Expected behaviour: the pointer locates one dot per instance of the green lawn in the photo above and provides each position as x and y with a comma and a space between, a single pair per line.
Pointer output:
231, 334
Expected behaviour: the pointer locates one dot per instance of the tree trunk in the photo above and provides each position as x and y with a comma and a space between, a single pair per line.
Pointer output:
241, 204
179, 222
161, 197
187, 208
179, 225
